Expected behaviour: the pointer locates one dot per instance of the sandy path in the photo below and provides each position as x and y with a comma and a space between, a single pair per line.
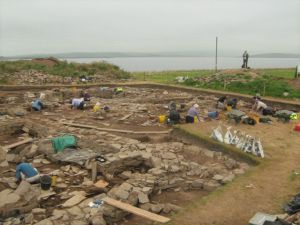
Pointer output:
272, 182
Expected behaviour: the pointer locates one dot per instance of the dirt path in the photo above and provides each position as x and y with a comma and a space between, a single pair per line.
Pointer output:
264, 188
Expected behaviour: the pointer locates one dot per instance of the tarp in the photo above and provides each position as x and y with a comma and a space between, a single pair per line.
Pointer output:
62, 142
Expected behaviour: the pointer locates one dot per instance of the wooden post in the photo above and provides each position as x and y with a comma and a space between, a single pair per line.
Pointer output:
216, 65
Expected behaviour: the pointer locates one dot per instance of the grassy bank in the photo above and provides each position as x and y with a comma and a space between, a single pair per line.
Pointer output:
56, 67
267, 82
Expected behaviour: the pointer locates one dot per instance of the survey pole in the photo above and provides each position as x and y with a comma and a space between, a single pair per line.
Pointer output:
216, 65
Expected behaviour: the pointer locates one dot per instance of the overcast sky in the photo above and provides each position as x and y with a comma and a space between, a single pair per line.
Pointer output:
55, 26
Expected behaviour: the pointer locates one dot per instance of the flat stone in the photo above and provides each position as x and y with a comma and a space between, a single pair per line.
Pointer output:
156, 208
230, 164
57, 214
146, 206
76, 211
147, 190
218, 177
156, 171
78, 222
122, 194
141, 146
238, 171
208, 153
143, 198
126, 186
98, 220
169, 155
155, 161
176, 180
39, 211
125, 174
173, 207
228, 178
44, 222
73, 201
197, 183
174, 169
210, 185
8, 198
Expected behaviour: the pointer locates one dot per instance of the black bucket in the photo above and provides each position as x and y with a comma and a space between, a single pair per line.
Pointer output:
46, 182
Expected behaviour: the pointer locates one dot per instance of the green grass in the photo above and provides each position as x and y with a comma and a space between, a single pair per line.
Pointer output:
169, 76
62, 68
288, 73
268, 82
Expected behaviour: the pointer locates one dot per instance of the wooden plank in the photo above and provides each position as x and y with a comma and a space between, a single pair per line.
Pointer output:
101, 184
116, 130
135, 210
8, 147
125, 117
94, 171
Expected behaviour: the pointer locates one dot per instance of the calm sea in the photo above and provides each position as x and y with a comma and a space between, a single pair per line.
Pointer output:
190, 63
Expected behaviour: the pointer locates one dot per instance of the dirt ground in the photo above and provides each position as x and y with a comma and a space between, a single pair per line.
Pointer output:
264, 188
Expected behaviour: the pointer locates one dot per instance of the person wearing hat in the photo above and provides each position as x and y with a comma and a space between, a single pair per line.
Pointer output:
192, 112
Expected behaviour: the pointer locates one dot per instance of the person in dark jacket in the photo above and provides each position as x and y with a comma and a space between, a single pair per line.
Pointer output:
232, 102
245, 59
221, 103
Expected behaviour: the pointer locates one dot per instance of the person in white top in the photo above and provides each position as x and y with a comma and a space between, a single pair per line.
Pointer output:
259, 106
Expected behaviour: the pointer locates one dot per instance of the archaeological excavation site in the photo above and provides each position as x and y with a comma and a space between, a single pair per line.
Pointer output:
121, 157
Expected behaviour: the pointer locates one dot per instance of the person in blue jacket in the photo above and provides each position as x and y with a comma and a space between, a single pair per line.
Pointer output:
37, 105
25, 171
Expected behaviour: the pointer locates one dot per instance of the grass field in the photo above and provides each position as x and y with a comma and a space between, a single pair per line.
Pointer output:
267, 82
53, 66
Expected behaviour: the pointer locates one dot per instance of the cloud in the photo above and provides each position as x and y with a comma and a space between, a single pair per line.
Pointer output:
49, 26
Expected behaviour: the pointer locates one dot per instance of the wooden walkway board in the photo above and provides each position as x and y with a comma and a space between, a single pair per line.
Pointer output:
8, 147
135, 210
116, 130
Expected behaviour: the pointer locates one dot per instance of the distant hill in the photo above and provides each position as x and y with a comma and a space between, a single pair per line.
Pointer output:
276, 55
144, 54
112, 55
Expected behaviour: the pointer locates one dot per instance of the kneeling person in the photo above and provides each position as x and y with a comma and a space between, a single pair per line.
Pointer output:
37, 105
78, 103
25, 171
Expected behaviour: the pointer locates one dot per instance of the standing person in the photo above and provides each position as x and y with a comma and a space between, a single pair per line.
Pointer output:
25, 171
192, 112
245, 59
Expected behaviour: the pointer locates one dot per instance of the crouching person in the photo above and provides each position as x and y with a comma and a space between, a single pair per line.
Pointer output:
77, 103
25, 171
37, 105
193, 111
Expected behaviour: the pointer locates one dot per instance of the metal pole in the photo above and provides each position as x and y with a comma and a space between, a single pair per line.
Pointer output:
216, 65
